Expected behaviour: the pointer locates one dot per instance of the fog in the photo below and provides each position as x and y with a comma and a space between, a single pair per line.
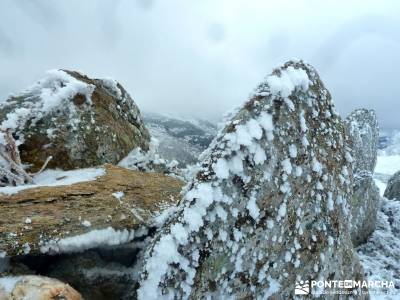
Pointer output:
201, 58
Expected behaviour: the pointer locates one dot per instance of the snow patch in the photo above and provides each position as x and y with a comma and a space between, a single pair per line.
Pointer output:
288, 81
57, 88
253, 208
91, 239
8, 283
56, 178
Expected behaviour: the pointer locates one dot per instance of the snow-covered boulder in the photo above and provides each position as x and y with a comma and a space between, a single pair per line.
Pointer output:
363, 130
80, 211
365, 204
36, 288
393, 187
79, 121
269, 206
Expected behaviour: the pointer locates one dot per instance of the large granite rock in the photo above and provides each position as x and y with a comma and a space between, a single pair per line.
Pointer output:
269, 206
364, 132
36, 288
79, 121
363, 129
392, 190
110, 210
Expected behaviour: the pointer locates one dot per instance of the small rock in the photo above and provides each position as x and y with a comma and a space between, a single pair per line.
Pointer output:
36, 288
392, 191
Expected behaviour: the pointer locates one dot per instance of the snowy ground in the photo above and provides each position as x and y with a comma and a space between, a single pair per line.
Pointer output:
380, 256
56, 178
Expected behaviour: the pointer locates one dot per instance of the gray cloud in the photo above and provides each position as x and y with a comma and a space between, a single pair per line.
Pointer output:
204, 57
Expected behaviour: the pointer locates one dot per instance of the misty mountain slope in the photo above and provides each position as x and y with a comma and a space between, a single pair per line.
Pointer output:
180, 139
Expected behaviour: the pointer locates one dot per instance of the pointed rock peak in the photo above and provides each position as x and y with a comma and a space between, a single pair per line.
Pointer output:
268, 206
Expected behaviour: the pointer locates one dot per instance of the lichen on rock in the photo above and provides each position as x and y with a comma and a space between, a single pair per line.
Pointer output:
363, 129
392, 191
269, 205
110, 210
80, 121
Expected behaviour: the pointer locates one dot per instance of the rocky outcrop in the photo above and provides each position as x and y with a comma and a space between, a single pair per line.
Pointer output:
111, 210
79, 121
392, 191
269, 206
364, 132
364, 205
182, 140
363, 129
36, 288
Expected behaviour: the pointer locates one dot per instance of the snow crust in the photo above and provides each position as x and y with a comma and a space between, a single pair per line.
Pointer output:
54, 90
8, 283
119, 195
380, 255
288, 81
112, 85
150, 161
91, 239
56, 178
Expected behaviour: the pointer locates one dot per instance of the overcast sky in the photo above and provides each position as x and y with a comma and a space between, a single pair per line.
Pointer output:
203, 57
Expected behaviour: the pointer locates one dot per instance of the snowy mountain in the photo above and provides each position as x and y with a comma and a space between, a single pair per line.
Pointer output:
180, 139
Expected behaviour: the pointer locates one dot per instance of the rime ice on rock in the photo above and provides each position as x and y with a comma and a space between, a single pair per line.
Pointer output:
79, 121
380, 255
274, 229
392, 190
363, 130
109, 209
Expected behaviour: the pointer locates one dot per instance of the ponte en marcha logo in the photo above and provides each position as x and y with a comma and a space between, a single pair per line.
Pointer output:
307, 287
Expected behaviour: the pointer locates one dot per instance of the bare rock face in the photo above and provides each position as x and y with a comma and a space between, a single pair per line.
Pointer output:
80, 121
111, 210
36, 288
269, 206
392, 191
363, 129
